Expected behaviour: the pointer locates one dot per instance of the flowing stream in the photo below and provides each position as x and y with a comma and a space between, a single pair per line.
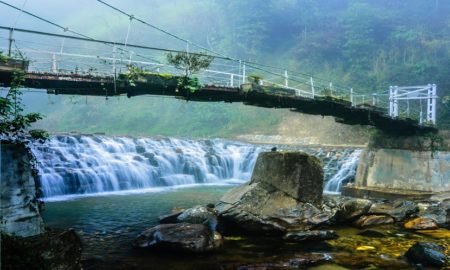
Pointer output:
96, 165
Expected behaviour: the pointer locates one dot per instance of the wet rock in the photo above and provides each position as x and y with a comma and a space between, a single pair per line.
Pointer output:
169, 218
373, 220
257, 208
353, 208
438, 213
372, 233
151, 158
140, 149
305, 259
302, 236
421, 224
427, 254
199, 215
264, 266
299, 261
275, 199
439, 233
182, 237
399, 210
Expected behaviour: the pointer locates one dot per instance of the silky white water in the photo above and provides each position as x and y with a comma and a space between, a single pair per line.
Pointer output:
346, 173
71, 166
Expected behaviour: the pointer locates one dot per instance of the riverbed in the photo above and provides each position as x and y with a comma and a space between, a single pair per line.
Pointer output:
108, 225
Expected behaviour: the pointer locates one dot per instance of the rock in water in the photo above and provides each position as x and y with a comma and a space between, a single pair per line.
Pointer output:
285, 193
302, 236
438, 213
300, 261
373, 220
179, 237
421, 224
354, 208
305, 259
169, 218
399, 210
426, 254
200, 215
297, 174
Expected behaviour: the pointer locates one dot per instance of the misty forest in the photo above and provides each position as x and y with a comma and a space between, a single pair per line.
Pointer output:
207, 134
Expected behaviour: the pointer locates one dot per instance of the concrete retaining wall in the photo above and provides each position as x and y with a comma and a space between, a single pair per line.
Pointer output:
404, 169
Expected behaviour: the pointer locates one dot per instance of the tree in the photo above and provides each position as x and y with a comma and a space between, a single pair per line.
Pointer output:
190, 64
3, 58
13, 123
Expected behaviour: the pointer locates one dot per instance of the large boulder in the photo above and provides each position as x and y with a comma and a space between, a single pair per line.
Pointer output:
275, 200
183, 237
297, 174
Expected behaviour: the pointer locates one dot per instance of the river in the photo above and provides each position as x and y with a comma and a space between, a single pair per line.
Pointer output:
109, 189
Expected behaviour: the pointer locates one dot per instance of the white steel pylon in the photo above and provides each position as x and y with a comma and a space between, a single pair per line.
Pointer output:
407, 93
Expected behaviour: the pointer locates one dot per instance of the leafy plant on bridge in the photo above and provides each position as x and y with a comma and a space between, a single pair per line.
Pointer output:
190, 64
14, 124
3, 58
137, 74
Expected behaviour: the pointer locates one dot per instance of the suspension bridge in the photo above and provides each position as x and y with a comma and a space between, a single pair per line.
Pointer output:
72, 63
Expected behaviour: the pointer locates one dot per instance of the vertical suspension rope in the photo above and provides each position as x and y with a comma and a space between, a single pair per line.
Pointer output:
128, 32
126, 38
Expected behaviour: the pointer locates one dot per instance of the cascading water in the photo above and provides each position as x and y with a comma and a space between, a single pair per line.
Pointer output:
87, 164
346, 173
80, 165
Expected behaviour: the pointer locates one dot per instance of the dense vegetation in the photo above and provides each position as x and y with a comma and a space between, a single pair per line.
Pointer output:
14, 124
365, 44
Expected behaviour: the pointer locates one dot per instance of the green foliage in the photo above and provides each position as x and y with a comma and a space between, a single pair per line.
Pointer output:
253, 78
188, 84
14, 123
189, 63
134, 72
3, 58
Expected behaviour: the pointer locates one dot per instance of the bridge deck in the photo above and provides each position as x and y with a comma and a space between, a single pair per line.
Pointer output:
343, 111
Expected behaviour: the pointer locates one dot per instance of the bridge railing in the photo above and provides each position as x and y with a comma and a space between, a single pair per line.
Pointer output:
61, 55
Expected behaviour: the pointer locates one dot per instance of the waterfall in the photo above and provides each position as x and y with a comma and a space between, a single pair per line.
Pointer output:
346, 173
81, 165
96, 164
